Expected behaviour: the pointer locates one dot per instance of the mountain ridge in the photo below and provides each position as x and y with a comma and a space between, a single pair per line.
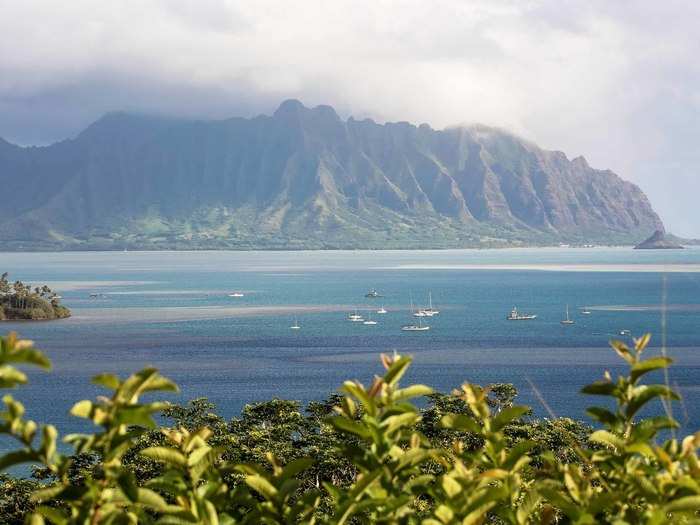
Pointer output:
305, 178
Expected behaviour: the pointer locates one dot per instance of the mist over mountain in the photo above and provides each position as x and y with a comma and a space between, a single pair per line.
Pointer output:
305, 178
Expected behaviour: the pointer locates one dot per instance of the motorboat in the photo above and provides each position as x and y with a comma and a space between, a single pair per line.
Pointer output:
514, 315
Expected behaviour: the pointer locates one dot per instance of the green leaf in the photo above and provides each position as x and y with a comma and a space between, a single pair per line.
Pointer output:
107, 380
135, 415
393, 423
507, 415
642, 394
151, 499
519, 450
37, 519
444, 513
165, 455
356, 390
197, 455
397, 370
261, 485
56, 516
82, 409
127, 484
477, 515
602, 415
607, 438
685, 504
527, 506
352, 427
411, 392
461, 422
600, 388
623, 351
29, 356
160, 384
17, 458
451, 486
11, 377
643, 367
295, 467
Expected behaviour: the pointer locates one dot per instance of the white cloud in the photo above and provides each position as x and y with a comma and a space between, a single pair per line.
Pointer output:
615, 81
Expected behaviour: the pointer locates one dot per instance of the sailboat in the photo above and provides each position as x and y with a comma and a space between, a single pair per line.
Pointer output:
295, 326
415, 327
430, 311
236, 294
568, 320
382, 310
369, 320
585, 311
415, 313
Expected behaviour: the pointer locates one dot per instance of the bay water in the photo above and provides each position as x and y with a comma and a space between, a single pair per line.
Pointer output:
173, 310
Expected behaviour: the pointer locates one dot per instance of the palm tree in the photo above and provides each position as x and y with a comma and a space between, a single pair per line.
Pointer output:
4, 286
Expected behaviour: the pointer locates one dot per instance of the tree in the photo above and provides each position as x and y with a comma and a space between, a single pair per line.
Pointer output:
473, 456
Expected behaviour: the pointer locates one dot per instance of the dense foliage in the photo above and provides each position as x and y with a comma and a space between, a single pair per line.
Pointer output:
19, 301
367, 456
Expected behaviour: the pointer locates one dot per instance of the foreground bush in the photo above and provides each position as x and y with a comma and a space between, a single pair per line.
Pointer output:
369, 456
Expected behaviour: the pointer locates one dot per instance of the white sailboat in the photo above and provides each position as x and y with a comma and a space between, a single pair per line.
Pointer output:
585, 311
369, 320
430, 311
295, 326
568, 320
382, 310
236, 294
417, 313
415, 327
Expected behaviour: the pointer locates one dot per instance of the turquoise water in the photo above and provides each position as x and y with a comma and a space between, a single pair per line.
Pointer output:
172, 310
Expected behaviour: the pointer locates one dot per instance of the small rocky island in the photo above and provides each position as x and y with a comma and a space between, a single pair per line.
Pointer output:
658, 241
19, 302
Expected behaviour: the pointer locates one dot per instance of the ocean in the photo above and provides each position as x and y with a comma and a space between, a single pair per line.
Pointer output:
172, 310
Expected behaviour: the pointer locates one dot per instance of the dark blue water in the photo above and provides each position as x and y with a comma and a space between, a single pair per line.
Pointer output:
172, 310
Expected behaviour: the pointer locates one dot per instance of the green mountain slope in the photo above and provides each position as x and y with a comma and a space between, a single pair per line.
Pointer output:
304, 178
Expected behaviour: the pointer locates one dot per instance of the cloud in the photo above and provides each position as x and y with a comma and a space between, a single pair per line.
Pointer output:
615, 81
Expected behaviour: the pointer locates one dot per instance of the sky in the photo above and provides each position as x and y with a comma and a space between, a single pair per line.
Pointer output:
615, 81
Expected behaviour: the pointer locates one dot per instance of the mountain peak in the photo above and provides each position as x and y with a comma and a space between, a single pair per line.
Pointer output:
290, 106
326, 111
294, 109
305, 178
580, 161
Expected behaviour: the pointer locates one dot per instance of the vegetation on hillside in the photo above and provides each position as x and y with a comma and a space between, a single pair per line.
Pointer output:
366, 456
19, 301
304, 178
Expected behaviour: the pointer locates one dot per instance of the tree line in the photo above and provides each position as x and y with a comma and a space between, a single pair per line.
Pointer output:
366, 455
19, 294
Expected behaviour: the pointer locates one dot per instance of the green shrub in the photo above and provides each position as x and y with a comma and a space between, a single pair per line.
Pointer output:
368, 456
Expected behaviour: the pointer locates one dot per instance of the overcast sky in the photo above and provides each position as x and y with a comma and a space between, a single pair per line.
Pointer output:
616, 81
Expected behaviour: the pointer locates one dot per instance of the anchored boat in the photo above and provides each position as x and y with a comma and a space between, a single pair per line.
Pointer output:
514, 315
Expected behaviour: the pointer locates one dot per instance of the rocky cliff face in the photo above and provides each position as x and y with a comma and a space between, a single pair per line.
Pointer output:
305, 178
